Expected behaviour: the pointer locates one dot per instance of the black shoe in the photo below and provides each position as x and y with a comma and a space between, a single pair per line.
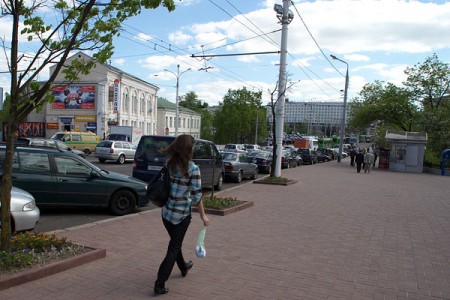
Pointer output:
160, 289
188, 267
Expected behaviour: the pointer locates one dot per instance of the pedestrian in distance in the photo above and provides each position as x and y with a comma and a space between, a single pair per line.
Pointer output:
352, 157
359, 159
375, 156
368, 161
186, 190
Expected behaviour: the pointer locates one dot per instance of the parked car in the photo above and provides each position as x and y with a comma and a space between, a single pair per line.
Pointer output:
63, 179
236, 166
298, 158
119, 151
287, 160
251, 147
84, 141
24, 212
148, 159
234, 148
49, 143
322, 157
309, 156
263, 159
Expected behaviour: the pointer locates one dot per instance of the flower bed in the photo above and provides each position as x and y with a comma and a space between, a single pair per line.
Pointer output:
275, 181
36, 255
223, 206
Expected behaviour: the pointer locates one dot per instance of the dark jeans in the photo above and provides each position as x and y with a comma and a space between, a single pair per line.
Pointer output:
174, 254
358, 167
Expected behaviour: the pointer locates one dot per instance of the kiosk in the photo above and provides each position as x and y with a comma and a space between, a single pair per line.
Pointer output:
406, 151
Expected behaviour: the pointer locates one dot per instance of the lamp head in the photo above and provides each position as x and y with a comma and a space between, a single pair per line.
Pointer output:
332, 56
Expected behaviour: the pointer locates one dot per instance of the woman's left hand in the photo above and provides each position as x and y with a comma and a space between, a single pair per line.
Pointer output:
205, 220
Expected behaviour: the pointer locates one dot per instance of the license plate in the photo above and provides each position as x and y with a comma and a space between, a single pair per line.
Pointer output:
154, 168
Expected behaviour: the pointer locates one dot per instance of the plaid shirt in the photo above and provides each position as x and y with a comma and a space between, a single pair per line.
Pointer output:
186, 190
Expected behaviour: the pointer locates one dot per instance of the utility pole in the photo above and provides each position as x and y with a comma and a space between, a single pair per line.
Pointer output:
285, 16
344, 108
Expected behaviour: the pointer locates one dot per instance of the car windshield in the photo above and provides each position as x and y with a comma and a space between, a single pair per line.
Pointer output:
58, 136
229, 156
303, 151
105, 144
151, 146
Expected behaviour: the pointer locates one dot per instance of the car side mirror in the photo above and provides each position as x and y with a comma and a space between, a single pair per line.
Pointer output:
93, 175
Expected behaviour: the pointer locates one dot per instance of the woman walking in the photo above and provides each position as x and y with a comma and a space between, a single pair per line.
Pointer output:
186, 190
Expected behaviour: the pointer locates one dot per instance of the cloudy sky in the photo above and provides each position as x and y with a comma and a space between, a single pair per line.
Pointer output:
378, 40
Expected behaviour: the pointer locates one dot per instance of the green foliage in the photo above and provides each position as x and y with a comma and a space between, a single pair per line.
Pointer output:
235, 120
219, 202
423, 104
429, 82
191, 101
385, 104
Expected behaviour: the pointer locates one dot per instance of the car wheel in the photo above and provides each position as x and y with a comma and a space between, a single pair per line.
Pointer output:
121, 159
255, 174
86, 152
238, 178
102, 160
122, 202
219, 185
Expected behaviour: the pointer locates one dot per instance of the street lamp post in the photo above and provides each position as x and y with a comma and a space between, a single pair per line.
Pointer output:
177, 114
342, 135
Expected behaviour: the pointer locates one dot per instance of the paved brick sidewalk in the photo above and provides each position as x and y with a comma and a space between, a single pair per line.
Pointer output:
335, 234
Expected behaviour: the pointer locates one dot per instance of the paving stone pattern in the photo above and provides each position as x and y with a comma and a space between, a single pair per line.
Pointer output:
335, 234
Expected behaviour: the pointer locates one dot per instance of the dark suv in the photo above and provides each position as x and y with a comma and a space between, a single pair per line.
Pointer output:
148, 159
309, 156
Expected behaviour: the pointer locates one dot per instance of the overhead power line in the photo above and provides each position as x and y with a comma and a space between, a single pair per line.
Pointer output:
235, 54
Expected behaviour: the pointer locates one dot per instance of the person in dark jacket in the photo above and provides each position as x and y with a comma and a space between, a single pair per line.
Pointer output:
352, 157
359, 159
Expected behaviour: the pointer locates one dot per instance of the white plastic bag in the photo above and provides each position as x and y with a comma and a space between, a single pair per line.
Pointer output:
200, 250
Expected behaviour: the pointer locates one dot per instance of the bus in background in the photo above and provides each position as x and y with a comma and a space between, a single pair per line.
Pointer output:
325, 143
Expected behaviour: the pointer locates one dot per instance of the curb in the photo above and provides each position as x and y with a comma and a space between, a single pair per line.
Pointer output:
51, 269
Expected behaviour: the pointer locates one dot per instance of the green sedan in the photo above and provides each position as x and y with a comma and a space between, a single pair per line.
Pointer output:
62, 179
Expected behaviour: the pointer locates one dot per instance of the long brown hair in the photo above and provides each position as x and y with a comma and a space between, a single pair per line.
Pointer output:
179, 153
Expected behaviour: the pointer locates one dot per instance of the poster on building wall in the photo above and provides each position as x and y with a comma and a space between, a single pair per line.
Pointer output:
74, 97
27, 129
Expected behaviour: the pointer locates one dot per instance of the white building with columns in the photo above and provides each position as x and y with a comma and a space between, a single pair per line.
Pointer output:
106, 96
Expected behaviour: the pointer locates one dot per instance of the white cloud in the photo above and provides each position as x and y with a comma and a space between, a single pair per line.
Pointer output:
143, 37
119, 61
179, 37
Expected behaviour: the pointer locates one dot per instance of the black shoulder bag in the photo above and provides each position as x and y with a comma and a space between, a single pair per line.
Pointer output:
158, 188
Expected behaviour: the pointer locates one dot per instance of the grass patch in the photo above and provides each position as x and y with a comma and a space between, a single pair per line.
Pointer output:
219, 202
32, 249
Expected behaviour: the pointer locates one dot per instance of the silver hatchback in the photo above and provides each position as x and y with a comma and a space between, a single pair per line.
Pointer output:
118, 151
